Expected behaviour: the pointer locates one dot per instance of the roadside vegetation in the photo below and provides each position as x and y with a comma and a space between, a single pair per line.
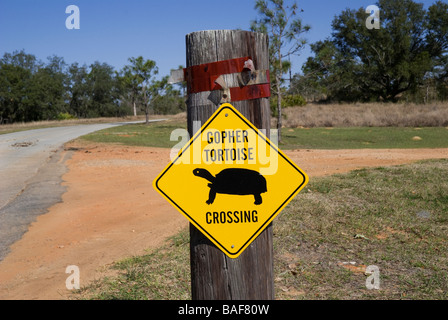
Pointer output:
364, 138
22, 126
155, 134
394, 218
35, 90
346, 66
320, 127
367, 115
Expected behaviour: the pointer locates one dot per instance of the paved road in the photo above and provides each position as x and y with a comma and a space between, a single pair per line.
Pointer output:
30, 175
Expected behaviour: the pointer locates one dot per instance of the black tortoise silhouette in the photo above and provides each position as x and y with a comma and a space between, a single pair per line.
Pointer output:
235, 181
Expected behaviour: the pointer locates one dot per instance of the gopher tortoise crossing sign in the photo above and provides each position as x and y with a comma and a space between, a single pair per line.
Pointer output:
230, 181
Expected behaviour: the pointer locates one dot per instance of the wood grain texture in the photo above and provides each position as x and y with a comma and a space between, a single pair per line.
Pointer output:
214, 276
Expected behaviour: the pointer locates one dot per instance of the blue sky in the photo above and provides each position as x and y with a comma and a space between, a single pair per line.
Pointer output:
114, 30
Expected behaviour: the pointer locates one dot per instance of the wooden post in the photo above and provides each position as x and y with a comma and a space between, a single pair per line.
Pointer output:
214, 276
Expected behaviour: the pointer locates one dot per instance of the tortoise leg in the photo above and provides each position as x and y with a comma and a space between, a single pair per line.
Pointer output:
211, 196
258, 199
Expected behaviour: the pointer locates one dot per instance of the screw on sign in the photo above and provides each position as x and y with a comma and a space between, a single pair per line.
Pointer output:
230, 181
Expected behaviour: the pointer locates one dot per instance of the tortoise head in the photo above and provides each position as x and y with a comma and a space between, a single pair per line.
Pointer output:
203, 174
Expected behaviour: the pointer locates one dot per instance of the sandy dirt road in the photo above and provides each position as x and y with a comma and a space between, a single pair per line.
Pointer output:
30, 175
23, 153
110, 211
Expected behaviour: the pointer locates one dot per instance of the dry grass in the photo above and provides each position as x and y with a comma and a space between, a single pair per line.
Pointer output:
20, 126
311, 115
366, 115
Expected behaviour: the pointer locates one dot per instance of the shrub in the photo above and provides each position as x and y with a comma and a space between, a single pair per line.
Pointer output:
291, 100
65, 116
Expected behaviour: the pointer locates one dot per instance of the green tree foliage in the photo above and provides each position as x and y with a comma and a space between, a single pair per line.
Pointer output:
145, 92
78, 90
380, 64
134, 76
47, 94
104, 90
16, 75
139, 78
169, 100
285, 31
31, 90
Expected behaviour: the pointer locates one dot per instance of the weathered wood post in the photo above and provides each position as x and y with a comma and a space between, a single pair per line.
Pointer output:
213, 274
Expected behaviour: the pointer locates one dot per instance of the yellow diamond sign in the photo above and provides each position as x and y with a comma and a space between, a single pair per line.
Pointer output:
230, 181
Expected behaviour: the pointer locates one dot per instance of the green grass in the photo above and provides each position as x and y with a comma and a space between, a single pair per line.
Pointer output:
158, 135
395, 218
364, 137
152, 135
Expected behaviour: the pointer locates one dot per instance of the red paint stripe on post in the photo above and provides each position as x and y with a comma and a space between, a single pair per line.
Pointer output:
202, 77
255, 91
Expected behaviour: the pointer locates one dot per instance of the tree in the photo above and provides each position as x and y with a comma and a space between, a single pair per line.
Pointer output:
168, 100
326, 74
152, 93
103, 92
47, 93
16, 73
78, 90
94, 91
285, 31
139, 79
31, 90
383, 63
